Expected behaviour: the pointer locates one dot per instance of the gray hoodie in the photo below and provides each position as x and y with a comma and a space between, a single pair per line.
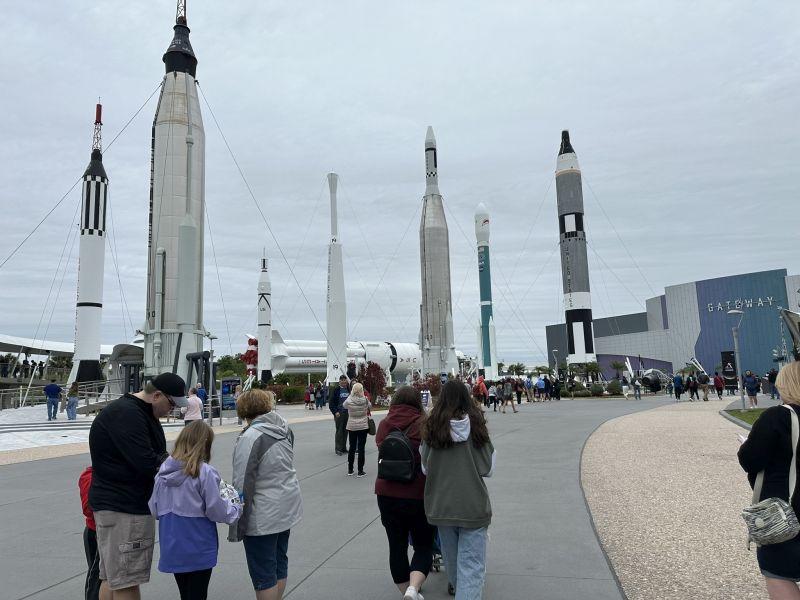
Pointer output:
455, 493
263, 471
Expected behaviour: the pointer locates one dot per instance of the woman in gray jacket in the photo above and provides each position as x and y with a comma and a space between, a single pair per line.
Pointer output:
357, 407
263, 472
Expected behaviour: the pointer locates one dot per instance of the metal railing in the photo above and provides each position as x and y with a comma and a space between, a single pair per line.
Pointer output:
89, 393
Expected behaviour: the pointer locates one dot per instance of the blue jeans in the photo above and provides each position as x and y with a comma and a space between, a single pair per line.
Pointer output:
72, 408
266, 557
464, 553
52, 408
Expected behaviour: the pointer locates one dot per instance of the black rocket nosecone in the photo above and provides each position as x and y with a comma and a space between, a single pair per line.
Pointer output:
566, 147
180, 55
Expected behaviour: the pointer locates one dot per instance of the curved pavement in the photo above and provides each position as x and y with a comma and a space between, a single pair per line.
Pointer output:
542, 542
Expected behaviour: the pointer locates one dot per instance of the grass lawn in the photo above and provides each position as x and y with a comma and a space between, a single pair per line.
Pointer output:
748, 416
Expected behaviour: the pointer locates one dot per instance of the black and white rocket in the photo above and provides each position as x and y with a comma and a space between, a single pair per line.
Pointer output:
89, 307
436, 310
173, 330
264, 324
574, 260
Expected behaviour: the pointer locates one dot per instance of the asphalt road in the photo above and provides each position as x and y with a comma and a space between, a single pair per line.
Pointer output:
542, 543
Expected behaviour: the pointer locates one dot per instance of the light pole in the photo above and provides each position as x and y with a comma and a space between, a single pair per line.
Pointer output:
736, 353
212, 382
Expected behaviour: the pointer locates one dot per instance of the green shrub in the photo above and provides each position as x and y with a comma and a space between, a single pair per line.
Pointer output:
584, 393
596, 389
614, 387
578, 387
276, 389
292, 394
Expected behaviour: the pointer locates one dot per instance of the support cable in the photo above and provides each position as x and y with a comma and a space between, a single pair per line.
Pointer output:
219, 279
263, 216
72, 187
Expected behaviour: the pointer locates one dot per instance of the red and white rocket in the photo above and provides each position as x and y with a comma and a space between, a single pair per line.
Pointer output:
89, 307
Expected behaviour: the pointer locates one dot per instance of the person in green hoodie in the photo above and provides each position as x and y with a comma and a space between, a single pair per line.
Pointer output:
456, 455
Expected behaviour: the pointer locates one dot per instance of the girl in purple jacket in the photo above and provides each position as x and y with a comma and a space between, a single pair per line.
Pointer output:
186, 501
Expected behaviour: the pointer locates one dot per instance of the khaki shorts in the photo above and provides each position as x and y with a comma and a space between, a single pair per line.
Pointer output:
125, 545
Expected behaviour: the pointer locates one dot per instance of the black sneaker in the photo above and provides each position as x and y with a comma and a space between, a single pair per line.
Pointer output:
360, 474
450, 589
350, 473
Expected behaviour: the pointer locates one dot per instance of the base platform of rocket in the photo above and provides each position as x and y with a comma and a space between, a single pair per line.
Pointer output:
574, 259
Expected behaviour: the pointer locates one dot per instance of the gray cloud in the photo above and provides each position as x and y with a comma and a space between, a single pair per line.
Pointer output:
683, 116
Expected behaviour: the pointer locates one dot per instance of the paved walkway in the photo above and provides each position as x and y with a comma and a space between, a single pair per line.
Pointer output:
666, 493
542, 543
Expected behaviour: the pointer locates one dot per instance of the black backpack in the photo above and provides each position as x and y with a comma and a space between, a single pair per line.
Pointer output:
396, 460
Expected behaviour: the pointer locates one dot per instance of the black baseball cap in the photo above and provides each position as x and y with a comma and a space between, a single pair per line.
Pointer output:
173, 386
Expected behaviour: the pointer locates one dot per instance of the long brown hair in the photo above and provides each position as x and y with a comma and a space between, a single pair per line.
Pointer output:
193, 447
455, 402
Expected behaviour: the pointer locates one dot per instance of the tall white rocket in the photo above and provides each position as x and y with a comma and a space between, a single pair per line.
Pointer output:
89, 307
264, 324
336, 309
487, 349
173, 330
436, 310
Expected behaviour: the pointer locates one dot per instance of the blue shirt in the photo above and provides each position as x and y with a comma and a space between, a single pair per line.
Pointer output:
202, 394
52, 390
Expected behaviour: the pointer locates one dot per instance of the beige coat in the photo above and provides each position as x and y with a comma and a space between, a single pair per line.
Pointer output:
357, 411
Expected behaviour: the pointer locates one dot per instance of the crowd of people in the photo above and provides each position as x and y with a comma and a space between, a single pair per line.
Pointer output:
429, 486
696, 383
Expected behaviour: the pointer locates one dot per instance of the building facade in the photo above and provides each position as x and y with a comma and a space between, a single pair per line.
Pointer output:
691, 320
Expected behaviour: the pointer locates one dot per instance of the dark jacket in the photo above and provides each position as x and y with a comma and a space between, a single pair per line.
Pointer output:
337, 398
127, 446
769, 448
401, 417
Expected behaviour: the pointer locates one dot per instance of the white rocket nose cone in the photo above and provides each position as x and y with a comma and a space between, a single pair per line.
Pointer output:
481, 223
430, 139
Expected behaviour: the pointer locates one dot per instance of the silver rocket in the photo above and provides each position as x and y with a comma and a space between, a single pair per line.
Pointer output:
487, 351
173, 330
574, 260
436, 310
336, 307
264, 324
89, 307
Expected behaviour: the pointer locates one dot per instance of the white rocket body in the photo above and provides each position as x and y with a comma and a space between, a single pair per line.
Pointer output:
399, 359
89, 306
264, 324
336, 307
174, 323
436, 309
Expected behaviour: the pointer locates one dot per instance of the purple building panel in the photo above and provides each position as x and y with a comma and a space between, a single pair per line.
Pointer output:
605, 360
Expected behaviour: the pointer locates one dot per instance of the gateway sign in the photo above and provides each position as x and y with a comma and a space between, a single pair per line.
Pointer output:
741, 303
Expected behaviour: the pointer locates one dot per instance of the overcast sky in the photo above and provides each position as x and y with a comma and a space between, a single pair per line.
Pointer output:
684, 116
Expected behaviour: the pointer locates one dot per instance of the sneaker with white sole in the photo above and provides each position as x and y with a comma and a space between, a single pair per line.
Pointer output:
412, 594
361, 474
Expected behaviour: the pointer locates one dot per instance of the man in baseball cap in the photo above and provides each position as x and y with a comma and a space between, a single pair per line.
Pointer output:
127, 445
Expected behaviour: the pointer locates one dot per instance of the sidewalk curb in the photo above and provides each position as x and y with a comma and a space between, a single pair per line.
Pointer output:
735, 421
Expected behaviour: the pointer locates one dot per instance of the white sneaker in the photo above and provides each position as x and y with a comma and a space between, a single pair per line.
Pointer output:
412, 594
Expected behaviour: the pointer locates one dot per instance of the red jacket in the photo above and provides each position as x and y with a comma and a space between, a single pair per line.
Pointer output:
400, 417
84, 483
719, 383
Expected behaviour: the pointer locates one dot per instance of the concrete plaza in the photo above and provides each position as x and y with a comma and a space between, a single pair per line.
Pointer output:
542, 540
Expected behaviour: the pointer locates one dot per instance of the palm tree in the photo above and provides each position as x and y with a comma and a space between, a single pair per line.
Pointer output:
617, 366
592, 370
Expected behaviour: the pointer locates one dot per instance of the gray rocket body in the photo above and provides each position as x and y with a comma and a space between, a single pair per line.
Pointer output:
436, 311
574, 259
173, 329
